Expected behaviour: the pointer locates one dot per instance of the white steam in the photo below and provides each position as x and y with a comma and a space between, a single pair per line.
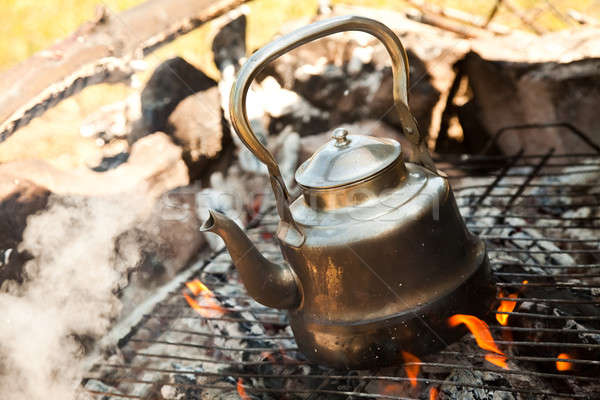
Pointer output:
68, 294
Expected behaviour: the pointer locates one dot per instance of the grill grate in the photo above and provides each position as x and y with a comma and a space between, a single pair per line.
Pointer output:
539, 215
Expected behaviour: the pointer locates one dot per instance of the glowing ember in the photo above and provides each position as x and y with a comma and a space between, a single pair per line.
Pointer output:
506, 306
433, 393
392, 389
267, 355
207, 306
412, 370
483, 337
241, 391
563, 365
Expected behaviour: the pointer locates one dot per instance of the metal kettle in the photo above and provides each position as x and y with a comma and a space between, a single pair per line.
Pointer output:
377, 254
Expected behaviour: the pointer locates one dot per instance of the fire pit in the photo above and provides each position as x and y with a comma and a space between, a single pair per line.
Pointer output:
539, 215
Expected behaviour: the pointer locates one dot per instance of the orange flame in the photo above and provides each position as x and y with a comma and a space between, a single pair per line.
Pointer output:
241, 391
196, 287
412, 371
506, 306
267, 355
496, 359
563, 365
433, 393
525, 282
483, 337
208, 306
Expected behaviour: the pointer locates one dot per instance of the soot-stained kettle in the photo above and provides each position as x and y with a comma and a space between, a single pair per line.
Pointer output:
377, 256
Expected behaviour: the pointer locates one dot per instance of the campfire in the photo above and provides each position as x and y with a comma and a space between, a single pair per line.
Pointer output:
190, 328
542, 341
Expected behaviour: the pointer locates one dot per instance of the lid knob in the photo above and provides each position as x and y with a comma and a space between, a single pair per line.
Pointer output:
340, 136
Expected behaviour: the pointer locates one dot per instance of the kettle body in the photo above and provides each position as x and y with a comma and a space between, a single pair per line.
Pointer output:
380, 278
377, 255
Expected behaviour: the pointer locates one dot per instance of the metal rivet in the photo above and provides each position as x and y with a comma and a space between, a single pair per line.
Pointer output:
340, 135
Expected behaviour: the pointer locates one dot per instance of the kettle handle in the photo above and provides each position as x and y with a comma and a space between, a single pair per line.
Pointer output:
317, 30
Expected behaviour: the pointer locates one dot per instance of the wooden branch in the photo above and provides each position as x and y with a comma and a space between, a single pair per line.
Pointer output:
102, 50
447, 24
581, 18
459, 16
492, 13
525, 19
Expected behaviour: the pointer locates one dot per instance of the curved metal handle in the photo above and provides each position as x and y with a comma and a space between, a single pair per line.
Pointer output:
273, 50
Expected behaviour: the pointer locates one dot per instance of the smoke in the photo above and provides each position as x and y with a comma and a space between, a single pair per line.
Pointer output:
68, 296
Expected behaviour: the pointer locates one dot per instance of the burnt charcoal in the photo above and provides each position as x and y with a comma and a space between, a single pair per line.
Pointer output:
229, 44
198, 126
506, 94
11, 264
111, 162
305, 124
352, 81
19, 199
482, 389
114, 121
171, 82
99, 386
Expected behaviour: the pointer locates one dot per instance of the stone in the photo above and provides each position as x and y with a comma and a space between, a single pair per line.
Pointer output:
19, 199
113, 121
286, 109
197, 126
172, 81
229, 44
154, 166
170, 239
506, 94
175, 226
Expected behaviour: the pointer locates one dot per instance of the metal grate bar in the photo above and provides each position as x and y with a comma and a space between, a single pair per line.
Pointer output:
109, 394
545, 330
528, 251
564, 228
213, 347
539, 239
357, 394
545, 316
528, 196
542, 217
519, 175
553, 301
578, 186
532, 275
581, 266
539, 174
500, 176
555, 285
523, 358
239, 337
253, 389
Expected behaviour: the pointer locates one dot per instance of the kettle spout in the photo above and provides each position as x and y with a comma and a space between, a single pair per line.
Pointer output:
274, 285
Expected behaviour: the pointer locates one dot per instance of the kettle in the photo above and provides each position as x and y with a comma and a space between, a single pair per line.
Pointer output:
377, 256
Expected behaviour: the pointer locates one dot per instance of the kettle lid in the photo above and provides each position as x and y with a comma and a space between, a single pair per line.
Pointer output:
347, 159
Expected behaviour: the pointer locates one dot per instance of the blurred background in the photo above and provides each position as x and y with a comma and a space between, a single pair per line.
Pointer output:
30, 26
